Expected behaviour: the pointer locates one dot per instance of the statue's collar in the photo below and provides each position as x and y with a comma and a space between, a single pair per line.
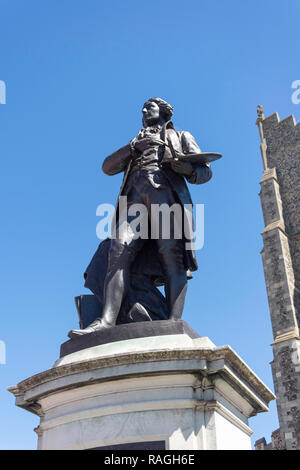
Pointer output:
162, 129
167, 125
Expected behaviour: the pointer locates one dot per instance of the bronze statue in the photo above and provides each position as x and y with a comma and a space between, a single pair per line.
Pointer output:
156, 164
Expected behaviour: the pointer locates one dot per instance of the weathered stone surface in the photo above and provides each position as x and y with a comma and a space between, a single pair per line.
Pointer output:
280, 199
275, 444
193, 397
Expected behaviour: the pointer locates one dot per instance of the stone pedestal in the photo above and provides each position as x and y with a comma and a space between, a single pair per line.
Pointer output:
170, 390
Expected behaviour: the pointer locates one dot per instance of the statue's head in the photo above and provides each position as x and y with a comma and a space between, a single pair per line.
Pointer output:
156, 111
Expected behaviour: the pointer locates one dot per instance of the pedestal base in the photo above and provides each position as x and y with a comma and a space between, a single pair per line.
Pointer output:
173, 391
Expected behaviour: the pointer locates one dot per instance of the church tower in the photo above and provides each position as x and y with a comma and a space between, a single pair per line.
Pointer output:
280, 200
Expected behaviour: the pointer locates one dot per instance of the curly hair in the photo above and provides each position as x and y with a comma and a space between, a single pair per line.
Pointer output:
165, 108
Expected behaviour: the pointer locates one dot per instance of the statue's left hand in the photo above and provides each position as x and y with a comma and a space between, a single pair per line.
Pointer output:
184, 168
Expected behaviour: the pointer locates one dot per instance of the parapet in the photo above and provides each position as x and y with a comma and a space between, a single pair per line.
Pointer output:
280, 134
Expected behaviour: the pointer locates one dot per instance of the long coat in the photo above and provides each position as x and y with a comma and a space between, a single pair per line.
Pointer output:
180, 141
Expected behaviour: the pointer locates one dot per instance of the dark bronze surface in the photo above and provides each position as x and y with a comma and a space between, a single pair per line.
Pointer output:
127, 331
143, 445
125, 270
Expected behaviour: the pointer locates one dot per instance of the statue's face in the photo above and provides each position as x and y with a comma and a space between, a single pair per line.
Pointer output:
151, 114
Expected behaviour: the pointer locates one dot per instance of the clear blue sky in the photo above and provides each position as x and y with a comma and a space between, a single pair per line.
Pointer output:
77, 73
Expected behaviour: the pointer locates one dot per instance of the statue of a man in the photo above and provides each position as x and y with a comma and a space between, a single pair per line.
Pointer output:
153, 175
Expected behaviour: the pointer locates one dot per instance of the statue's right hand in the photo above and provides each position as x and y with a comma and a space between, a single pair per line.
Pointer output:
147, 142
